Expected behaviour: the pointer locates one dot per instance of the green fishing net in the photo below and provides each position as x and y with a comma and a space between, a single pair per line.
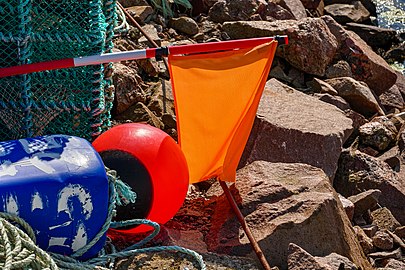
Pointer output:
74, 101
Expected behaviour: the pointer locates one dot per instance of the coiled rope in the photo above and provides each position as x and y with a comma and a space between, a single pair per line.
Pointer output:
19, 251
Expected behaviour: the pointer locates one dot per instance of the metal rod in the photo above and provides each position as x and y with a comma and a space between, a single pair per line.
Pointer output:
245, 226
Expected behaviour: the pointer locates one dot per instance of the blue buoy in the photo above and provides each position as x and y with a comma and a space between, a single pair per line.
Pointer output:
57, 184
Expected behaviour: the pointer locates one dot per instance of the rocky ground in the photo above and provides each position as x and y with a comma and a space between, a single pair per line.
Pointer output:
322, 178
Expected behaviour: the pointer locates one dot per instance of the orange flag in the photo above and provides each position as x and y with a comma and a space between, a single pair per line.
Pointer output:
216, 99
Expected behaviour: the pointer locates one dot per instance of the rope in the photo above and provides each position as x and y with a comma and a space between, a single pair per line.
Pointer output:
122, 24
18, 249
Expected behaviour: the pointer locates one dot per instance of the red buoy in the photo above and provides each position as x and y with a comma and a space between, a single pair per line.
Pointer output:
152, 163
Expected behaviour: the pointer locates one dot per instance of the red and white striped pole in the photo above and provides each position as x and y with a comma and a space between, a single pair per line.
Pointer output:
138, 54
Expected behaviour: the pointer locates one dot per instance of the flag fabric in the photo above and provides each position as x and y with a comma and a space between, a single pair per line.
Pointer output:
216, 99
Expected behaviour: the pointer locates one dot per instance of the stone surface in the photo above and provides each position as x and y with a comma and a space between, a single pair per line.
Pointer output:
185, 25
339, 69
300, 33
151, 31
230, 10
374, 134
299, 259
365, 201
400, 231
295, 7
392, 99
348, 206
140, 113
128, 90
344, 13
366, 65
395, 264
383, 240
370, 229
337, 101
336, 261
293, 127
376, 37
358, 94
283, 204
384, 219
319, 86
365, 241
395, 254
358, 172
276, 12
140, 13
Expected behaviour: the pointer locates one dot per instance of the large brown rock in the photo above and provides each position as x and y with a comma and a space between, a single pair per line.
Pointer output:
128, 88
231, 10
283, 204
344, 13
358, 172
311, 45
358, 94
293, 127
296, 8
366, 65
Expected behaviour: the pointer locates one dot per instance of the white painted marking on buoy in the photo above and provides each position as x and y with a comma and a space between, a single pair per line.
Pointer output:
8, 168
75, 190
36, 202
80, 239
57, 241
12, 205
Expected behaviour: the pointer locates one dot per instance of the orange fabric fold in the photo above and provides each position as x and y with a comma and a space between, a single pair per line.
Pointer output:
216, 99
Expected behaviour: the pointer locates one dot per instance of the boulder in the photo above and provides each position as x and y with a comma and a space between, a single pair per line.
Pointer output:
392, 99
185, 25
365, 201
365, 241
128, 90
383, 241
235, 10
151, 31
344, 13
376, 135
383, 218
140, 13
368, 4
366, 65
299, 259
276, 12
293, 127
337, 101
359, 96
319, 86
313, 59
348, 206
295, 7
339, 69
283, 204
313, 4
376, 37
336, 261
358, 172
140, 113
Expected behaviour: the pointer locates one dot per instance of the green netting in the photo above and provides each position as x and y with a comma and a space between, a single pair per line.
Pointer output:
74, 101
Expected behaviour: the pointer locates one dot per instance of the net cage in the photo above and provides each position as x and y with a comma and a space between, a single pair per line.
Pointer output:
75, 101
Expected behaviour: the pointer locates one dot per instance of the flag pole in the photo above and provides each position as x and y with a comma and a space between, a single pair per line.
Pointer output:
138, 54
245, 226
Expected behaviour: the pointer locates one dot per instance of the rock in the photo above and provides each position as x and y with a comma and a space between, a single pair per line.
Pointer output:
339, 69
365, 241
391, 157
140, 13
191, 239
383, 240
359, 96
365, 201
337, 101
299, 259
400, 83
358, 172
140, 113
151, 31
395, 254
348, 206
293, 127
300, 33
384, 219
319, 86
396, 53
392, 99
313, 4
178, 260
230, 10
368, 4
376, 135
370, 229
283, 204
276, 12
336, 261
149, 66
169, 120
295, 7
366, 65
185, 25
128, 90
376, 37
394, 264
400, 231
358, 120
344, 13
